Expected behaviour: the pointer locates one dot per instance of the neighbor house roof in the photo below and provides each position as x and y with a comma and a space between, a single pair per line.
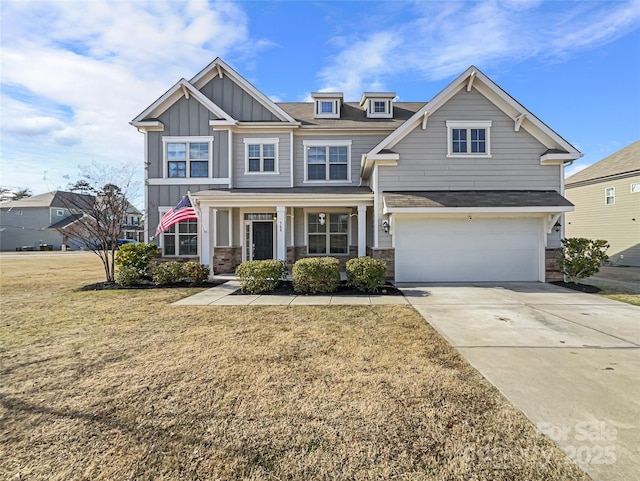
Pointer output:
56, 198
474, 198
351, 116
622, 163
66, 221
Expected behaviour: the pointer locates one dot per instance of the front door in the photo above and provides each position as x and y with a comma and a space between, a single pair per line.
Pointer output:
262, 240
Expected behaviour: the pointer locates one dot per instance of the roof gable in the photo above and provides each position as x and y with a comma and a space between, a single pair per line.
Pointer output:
473, 78
624, 161
180, 89
219, 68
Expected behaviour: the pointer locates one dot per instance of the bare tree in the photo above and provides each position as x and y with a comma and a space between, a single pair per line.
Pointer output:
22, 193
98, 203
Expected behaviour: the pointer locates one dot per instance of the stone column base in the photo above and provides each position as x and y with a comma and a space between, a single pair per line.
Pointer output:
226, 259
552, 268
387, 255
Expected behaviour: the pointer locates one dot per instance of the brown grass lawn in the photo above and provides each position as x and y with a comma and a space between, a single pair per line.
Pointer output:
119, 385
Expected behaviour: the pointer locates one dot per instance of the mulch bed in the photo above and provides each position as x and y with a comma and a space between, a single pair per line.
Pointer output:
578, 287
106, 286
286, 289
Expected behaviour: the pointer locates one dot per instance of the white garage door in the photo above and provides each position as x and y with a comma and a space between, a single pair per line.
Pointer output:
481, 249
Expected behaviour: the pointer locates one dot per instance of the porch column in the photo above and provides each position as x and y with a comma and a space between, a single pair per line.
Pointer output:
205, 236
362, 230
281, 222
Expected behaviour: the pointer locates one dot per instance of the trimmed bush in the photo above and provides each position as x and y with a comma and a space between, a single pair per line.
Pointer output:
139, 256
195, 272
580, 257
256, 277
128, 276
316, 275
168, 273
366, 274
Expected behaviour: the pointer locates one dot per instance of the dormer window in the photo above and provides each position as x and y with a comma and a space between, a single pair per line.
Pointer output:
327, 104
378, 105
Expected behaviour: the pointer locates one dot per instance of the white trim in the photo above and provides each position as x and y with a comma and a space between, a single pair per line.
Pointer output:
468, 125
362, 230
190, 181
291, 159
275, 141
230, 167
327, 143
559, 158
462, 210
635, 185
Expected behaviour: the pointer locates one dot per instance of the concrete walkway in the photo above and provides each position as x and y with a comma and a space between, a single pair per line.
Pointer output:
221, 296
570, 361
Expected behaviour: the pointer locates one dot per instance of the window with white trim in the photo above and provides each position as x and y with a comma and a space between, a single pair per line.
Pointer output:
327, 161
181, 239
610, 195
635, 188
261, 156
59, 213
188, 157
468, 138
328, 233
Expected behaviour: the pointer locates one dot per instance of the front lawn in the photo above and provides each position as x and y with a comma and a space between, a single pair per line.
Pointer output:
109, 385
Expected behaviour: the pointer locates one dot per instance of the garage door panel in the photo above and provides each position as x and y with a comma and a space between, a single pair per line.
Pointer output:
485, 249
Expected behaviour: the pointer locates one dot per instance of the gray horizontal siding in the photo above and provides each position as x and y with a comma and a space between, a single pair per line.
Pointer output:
283, 179
423, 164
361, 144
235, 101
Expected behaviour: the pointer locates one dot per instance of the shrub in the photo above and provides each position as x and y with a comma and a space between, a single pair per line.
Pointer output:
580, 257
138, 256
128, 276
316, 274
168, 273
195, 271
366, 274
256, 277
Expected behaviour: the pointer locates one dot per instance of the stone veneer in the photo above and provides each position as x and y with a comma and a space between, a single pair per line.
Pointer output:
226, 259
387, 255
552, 268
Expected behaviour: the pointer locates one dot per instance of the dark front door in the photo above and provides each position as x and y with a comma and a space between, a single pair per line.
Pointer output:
262, 240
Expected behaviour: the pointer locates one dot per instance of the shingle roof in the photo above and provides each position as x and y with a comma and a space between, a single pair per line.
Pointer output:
65, 222
623, 161
475, 198
56, 198
351, 115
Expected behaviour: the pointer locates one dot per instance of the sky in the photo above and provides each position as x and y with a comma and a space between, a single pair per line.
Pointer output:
73, 74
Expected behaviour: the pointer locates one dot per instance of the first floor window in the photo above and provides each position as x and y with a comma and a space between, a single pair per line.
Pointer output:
181, 239
328, 162
610, 195
328, 233
468, 138
187, 159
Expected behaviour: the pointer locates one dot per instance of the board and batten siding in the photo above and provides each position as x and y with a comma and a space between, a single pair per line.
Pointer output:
187, 118
514, 163
264, 180
615, 223
235, 101
360, 144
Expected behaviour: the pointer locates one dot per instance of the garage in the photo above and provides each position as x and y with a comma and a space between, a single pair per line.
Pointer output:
470, 248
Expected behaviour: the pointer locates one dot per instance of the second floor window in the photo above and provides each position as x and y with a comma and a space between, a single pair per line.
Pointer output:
327, 162
610, 195
468, 138
187, 158
261, 155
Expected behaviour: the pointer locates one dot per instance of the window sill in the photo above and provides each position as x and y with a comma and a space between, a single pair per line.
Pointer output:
261, 173
327, 182
462, 156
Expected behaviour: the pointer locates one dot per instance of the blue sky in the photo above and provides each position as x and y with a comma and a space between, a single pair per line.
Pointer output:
73, 74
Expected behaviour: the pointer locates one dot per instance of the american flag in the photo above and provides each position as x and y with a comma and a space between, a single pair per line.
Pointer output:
181, 211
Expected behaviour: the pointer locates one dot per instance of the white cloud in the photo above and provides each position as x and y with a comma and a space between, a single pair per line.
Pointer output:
443, 39
574, 169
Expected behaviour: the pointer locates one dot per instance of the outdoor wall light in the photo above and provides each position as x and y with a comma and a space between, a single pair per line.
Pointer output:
557, 226
385, 226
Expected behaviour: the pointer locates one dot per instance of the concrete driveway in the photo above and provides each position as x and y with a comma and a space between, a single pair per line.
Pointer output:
570, 361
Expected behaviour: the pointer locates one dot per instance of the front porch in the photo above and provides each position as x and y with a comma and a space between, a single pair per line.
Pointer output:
285, 224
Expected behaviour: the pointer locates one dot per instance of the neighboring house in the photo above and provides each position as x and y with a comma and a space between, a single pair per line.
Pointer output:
465, 187
133, 227
607, 199
25, 223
